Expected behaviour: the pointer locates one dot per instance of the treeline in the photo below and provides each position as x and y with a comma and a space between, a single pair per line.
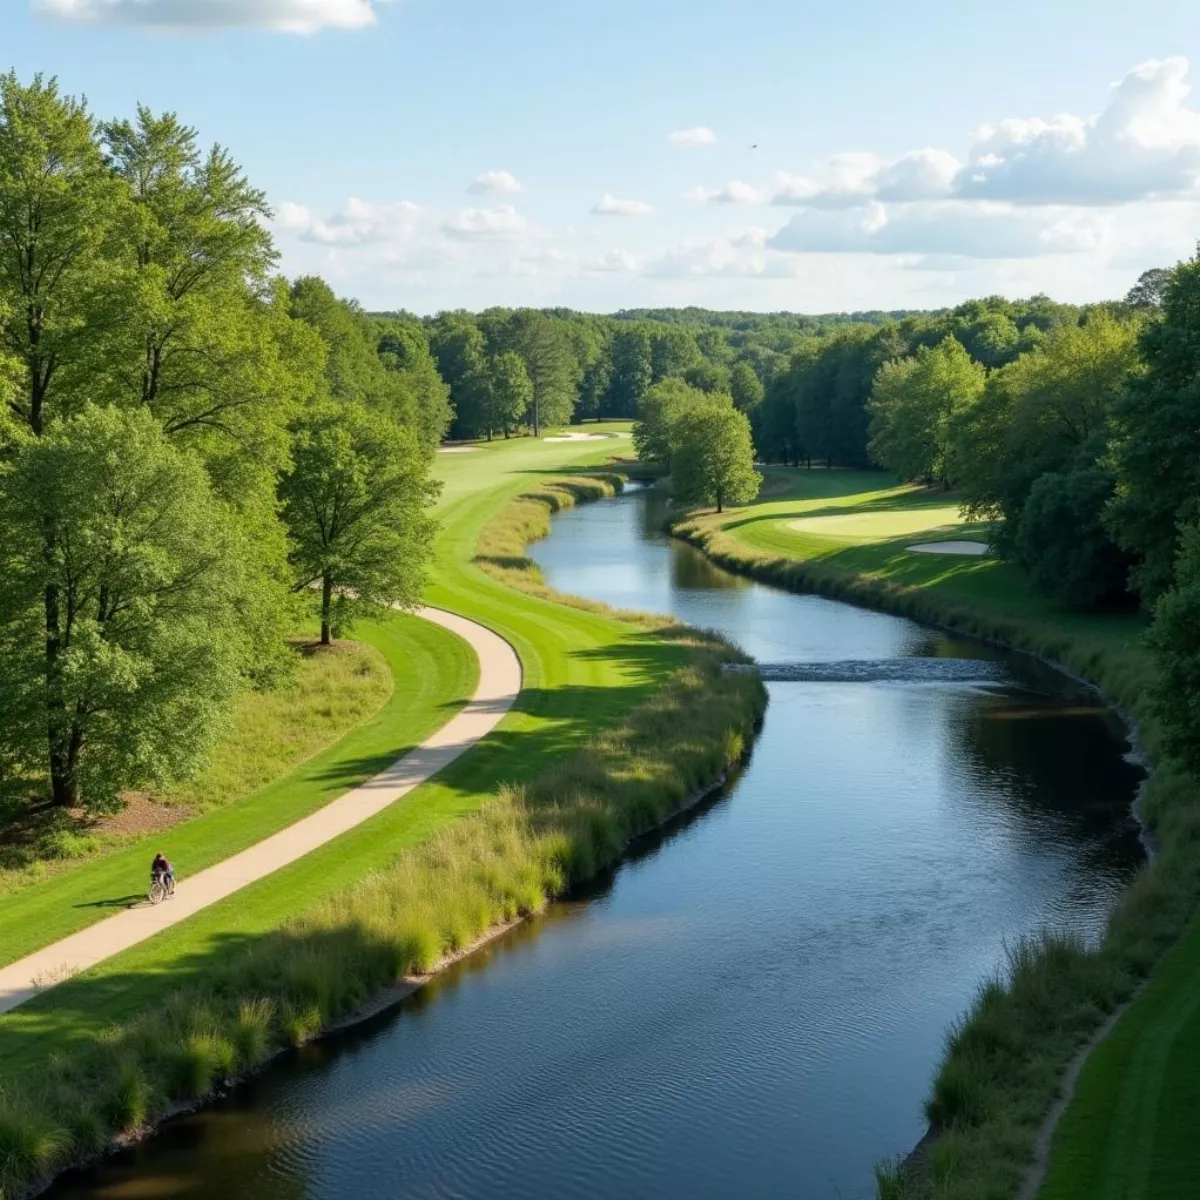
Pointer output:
514, 369
195, 456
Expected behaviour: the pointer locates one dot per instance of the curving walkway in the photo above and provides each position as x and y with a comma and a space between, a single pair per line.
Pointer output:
499, 683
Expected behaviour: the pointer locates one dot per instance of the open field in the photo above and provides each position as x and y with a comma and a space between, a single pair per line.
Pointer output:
1127, 1131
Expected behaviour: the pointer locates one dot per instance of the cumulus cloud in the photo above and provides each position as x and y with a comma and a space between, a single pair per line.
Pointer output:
734, 192
486, 224
287, 16
357, 223
609, 206
976, 231
1144, 144
504, 183
698, 135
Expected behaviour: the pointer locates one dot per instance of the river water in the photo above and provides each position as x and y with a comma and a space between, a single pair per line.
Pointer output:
752, 1005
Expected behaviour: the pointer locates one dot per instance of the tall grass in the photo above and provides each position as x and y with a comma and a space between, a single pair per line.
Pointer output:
1004, 1061
503, 862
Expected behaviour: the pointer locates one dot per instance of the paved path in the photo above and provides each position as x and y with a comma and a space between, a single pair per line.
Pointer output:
499, 683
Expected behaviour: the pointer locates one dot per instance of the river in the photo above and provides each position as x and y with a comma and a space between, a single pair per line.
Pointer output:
753, 1004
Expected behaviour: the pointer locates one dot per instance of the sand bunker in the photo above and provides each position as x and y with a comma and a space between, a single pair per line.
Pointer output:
457, 449
584, 437
972, 548
875, 524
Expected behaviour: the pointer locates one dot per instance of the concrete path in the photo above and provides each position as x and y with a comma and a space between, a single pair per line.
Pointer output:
499, 683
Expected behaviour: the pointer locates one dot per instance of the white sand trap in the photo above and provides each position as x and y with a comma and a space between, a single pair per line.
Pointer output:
972, 548
457, 449
585, 437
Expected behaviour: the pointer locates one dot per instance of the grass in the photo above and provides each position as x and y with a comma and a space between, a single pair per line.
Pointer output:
616, 720
267, 735
1128, 1131
438, 673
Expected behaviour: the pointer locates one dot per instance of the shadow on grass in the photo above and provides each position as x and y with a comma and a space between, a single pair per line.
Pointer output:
115, 902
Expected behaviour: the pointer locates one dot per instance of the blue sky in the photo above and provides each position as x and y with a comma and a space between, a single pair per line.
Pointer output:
434, 154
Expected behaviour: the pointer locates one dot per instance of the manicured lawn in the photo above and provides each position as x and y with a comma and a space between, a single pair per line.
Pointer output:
1130, 1131
583, 672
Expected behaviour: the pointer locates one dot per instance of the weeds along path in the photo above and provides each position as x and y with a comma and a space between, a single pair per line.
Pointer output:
499, 683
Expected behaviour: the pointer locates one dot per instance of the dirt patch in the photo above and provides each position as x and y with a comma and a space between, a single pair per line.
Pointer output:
142, 814
312, 646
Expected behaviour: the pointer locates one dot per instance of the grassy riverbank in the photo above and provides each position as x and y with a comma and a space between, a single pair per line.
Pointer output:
847, 535
618, 723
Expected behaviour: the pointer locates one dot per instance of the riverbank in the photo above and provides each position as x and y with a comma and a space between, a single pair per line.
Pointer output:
589, 767
1006, 1058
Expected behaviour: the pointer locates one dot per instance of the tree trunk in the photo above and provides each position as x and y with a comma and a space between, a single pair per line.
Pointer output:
720, 503
537, 418
64, 783
326, 605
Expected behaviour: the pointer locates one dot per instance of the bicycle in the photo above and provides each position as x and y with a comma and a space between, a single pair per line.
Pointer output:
161, 888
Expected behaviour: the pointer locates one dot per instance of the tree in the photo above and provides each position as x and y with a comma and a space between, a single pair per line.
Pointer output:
1175, 638
745, 387
417, 387
707, 377
672, 350
507, 391
662, 406
458, 347
549, 364
631, 372
713, 456
142, 630
1062, 541
355, 503
1150, 291
60, 291
912, 405
1156, 442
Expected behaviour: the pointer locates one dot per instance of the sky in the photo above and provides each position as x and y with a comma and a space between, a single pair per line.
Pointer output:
748, 154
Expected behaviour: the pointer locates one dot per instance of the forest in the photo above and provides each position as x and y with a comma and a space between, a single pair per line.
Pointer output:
201, 459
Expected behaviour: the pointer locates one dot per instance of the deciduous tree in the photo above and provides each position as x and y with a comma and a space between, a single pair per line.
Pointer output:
713, 456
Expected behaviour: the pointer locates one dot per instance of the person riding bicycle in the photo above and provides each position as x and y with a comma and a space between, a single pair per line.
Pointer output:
161, 869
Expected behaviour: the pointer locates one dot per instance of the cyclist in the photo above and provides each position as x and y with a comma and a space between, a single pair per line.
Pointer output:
161, 868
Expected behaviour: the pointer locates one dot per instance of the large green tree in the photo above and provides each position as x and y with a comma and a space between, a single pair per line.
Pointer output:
549, 362
663, 405
1157, 437
631, 372
912, 406
713, 456
355, 501
121, 633
507, 391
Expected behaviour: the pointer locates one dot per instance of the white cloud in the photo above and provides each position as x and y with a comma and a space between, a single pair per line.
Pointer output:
977, 231
471, 224
609, 206
287, 16
503, 182
698, 135
1145, 143
612, 262
745, 254
357, 223
734, 192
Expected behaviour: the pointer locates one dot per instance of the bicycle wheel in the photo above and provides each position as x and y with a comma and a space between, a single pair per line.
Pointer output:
157, 891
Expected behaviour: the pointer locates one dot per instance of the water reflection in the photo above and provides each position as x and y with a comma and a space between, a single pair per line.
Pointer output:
753, 1004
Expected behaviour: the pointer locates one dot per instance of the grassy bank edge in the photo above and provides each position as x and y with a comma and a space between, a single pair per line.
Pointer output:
1006, 1058
478, 876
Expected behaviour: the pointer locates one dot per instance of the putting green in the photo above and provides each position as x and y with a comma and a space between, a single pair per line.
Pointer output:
877, 526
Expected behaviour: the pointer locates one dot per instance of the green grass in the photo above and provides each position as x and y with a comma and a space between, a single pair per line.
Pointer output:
267, 735
1128, 1134
594, 685
436, 672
